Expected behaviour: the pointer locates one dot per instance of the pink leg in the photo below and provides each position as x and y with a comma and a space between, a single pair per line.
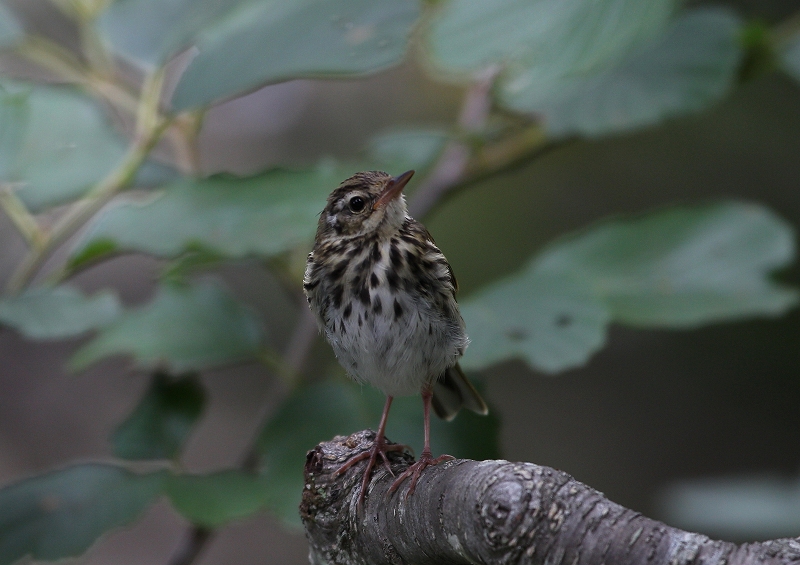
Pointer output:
426, 458
379, 448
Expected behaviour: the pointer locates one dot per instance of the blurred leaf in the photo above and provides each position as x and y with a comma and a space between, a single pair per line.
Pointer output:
163, 420
93, 251
318, 412
67, 147
13, 122
693, 64
678, 268
552, 37
400, 150
757, 507
57, 312
264, 215
592, 67
243, 44
683, 267
182, 329
790, 58
62, 513
266, 42
150, 31
552, 322
10, 30
212, 500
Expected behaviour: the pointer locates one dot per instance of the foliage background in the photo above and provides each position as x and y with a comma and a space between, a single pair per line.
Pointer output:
653, 407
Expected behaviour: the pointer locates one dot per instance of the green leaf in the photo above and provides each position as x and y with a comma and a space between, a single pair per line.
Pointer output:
182, 329
401, 150
683, 267
552, 322
94, 251
264, 215
318, 412
555, 37
592, 67
61, 514
266, 42
68, 146
150, 31
790, 58
58, 312
242, 44
10, 30
678, 268
212, 500
163, 420
685, 69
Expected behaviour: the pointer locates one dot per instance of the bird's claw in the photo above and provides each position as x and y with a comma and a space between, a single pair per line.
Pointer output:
414, 471
379, 448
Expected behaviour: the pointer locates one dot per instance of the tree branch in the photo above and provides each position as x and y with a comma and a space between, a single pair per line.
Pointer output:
489, 512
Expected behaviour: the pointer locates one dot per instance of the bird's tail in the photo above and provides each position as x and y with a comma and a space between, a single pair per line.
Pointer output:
452, 391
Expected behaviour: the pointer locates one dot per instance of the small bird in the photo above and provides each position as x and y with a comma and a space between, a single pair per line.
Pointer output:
384, 295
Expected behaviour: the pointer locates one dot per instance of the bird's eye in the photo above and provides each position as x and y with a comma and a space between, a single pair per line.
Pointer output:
357, 203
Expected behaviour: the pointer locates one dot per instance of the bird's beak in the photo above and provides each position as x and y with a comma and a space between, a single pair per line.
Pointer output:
393, 189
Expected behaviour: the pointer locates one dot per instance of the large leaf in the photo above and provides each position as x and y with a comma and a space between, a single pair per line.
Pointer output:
683, 267
66, 148
790, 58
58, 312
163, 420
677, 268
553, 322
318, 412
182, 329
685, 69
150, 31
214, 499
591, 67
265, 215
246, 43
10, 30
62, 513
555, 35
274, 41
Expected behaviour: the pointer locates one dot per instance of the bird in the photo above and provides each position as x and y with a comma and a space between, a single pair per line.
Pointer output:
384, 296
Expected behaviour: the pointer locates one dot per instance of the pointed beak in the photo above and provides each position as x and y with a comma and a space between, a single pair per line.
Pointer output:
393, 189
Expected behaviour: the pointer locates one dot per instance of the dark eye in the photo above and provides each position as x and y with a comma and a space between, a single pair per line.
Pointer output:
357, 203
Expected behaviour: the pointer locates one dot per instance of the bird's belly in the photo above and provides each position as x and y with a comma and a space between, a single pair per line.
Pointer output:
397, 349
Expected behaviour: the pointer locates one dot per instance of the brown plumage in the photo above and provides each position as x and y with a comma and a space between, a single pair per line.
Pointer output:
385, 297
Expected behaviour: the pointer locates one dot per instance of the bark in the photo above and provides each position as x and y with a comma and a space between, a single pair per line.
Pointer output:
491, 512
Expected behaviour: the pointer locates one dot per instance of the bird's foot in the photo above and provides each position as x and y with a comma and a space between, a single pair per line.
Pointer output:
414, 470
380, 448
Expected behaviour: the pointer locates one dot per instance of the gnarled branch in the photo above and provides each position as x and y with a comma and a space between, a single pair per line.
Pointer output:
491, 512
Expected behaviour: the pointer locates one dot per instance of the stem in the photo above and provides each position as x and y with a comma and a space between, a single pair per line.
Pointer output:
21, 217
150, 127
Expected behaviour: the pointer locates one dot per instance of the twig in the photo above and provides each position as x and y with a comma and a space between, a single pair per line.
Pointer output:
452, 164
150, 127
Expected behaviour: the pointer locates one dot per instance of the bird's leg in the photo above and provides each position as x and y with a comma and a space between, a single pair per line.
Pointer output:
426, 458
379, 448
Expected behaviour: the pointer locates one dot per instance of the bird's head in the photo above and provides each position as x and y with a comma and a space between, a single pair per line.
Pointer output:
368, 202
